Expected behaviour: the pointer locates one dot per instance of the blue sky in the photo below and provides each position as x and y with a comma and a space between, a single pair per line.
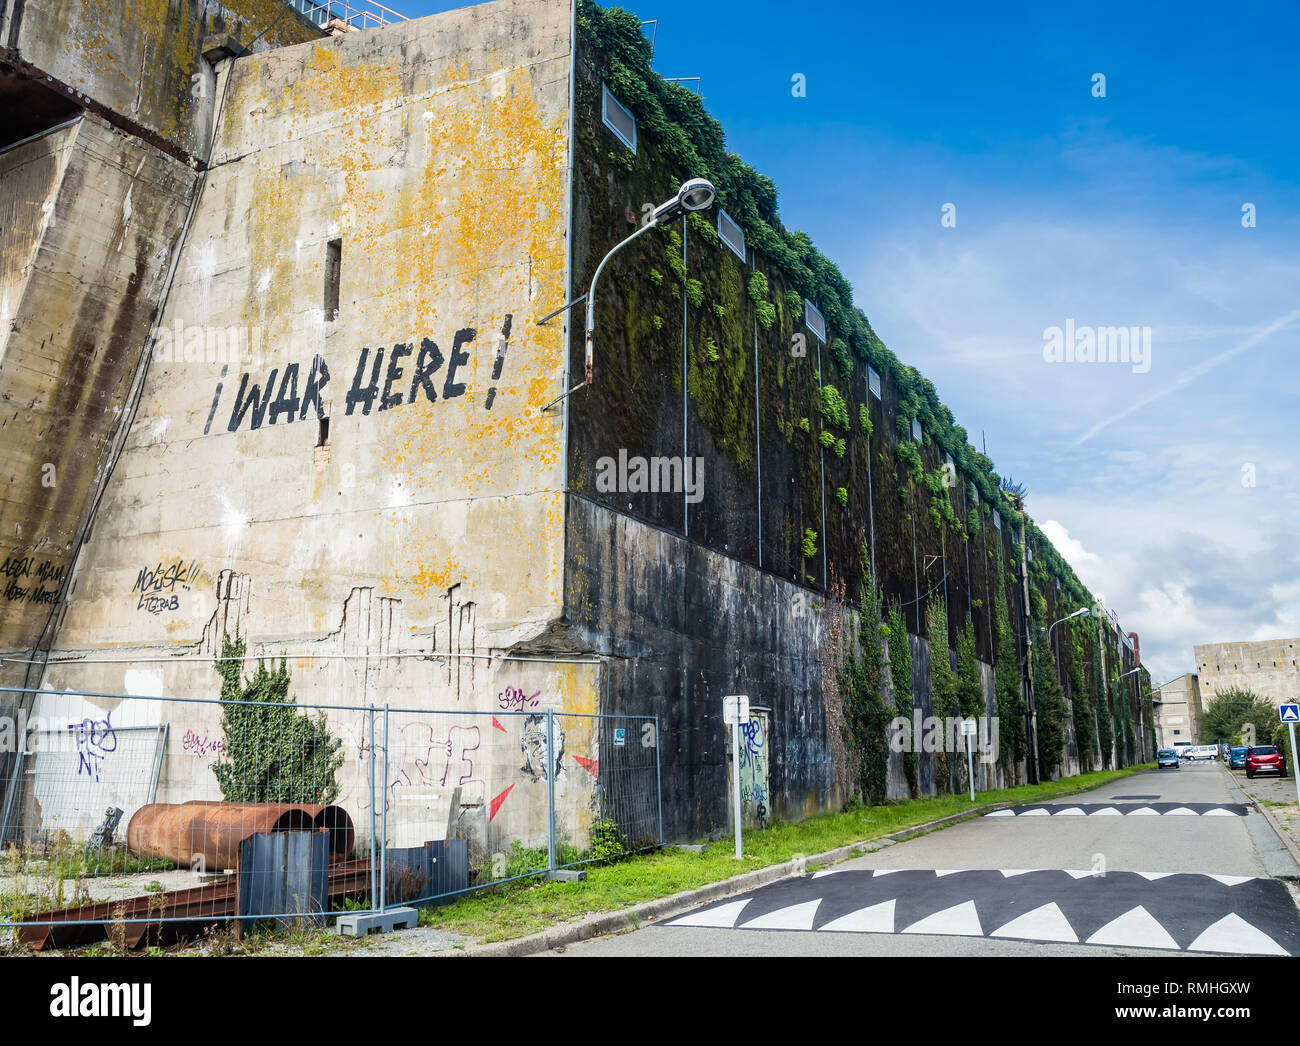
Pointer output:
1117, 211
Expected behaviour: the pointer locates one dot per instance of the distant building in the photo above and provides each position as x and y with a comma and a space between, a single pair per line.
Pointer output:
1268, 667
1178, 711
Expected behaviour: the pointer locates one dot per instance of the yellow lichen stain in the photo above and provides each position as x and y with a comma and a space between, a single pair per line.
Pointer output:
436, 578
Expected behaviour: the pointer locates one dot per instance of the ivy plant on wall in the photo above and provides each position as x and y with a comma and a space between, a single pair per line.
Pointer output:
276, 754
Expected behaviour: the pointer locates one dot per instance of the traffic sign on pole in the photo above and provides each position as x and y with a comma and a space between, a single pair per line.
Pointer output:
735, 710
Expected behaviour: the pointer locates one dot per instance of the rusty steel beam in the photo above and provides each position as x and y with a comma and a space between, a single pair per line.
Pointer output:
190, 908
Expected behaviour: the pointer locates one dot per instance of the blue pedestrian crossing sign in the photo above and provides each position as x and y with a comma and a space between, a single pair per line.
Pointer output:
1289, 713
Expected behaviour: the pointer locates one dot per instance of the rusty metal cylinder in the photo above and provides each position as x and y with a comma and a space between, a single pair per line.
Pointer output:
181, 832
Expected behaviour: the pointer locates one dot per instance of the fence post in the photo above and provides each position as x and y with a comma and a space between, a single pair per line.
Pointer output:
383, 849
372, 807
659, 783
550, 789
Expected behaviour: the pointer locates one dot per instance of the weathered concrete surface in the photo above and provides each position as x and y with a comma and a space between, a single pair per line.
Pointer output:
683, 626
1269, 667
424, 530
142, 60
95, 213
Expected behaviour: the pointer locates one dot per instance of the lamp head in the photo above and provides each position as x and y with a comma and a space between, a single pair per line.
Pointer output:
697, 194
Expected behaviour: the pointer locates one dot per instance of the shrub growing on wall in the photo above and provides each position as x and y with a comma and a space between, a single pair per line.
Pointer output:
1007, 680
1085, 733
970, 695
943, 681
275, 754
900, 670
866, 715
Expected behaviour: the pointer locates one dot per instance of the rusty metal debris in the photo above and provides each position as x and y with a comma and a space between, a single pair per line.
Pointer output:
212, 831
169, 915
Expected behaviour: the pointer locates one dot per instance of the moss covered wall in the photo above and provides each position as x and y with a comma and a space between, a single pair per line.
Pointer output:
678, 303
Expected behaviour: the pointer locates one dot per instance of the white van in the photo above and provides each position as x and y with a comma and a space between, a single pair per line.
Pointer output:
1203, 752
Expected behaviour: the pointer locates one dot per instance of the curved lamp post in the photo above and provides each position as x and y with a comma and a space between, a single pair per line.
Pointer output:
1068, 617
697, 194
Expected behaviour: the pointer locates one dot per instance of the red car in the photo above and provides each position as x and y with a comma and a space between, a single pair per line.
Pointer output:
1265, 759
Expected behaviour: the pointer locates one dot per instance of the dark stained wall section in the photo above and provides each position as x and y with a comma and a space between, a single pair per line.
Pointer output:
680, 627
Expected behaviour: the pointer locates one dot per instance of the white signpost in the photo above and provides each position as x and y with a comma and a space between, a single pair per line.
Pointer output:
735, 710
1290, 714
968, 731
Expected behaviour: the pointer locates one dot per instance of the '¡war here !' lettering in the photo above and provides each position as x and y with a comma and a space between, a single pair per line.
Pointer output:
383, 379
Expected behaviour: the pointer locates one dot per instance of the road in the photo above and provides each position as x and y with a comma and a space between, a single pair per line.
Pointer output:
1163, 861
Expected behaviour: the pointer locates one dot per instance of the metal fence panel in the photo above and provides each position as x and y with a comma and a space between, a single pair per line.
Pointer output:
246, 811
619, 811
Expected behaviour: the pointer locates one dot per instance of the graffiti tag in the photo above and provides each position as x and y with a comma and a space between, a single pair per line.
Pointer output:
512, 699
201, 746
22, 568
159, 586
95, 740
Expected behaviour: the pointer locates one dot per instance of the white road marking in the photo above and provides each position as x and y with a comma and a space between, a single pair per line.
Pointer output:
961, 920
1047, 923
1136, 928
1108, 811
1232, 880
1144, 811
722, 917
1071, 811
879, 918
793, 917
1001, 813
1233, 934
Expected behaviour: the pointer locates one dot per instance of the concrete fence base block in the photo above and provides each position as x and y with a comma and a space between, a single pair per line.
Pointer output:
359, 924
566, 875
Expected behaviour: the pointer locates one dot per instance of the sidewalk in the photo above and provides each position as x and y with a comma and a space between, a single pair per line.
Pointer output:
1275, 798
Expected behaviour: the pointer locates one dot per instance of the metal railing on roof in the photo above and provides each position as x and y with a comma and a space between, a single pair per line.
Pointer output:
365, 14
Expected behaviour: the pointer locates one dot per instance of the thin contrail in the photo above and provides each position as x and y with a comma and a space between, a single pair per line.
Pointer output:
1195, 372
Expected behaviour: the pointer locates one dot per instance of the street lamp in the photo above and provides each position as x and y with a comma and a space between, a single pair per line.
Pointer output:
1068, 617
695, 194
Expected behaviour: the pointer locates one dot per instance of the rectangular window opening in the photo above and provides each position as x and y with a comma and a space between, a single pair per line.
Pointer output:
813, 319
323, 432
732, 234
618, 118
333, 269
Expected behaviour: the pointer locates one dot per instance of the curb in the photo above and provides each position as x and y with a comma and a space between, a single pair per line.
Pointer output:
664, 907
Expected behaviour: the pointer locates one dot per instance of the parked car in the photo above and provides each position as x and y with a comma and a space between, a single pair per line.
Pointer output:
1167, 757
1202, 752
1237, 758
1265, 759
